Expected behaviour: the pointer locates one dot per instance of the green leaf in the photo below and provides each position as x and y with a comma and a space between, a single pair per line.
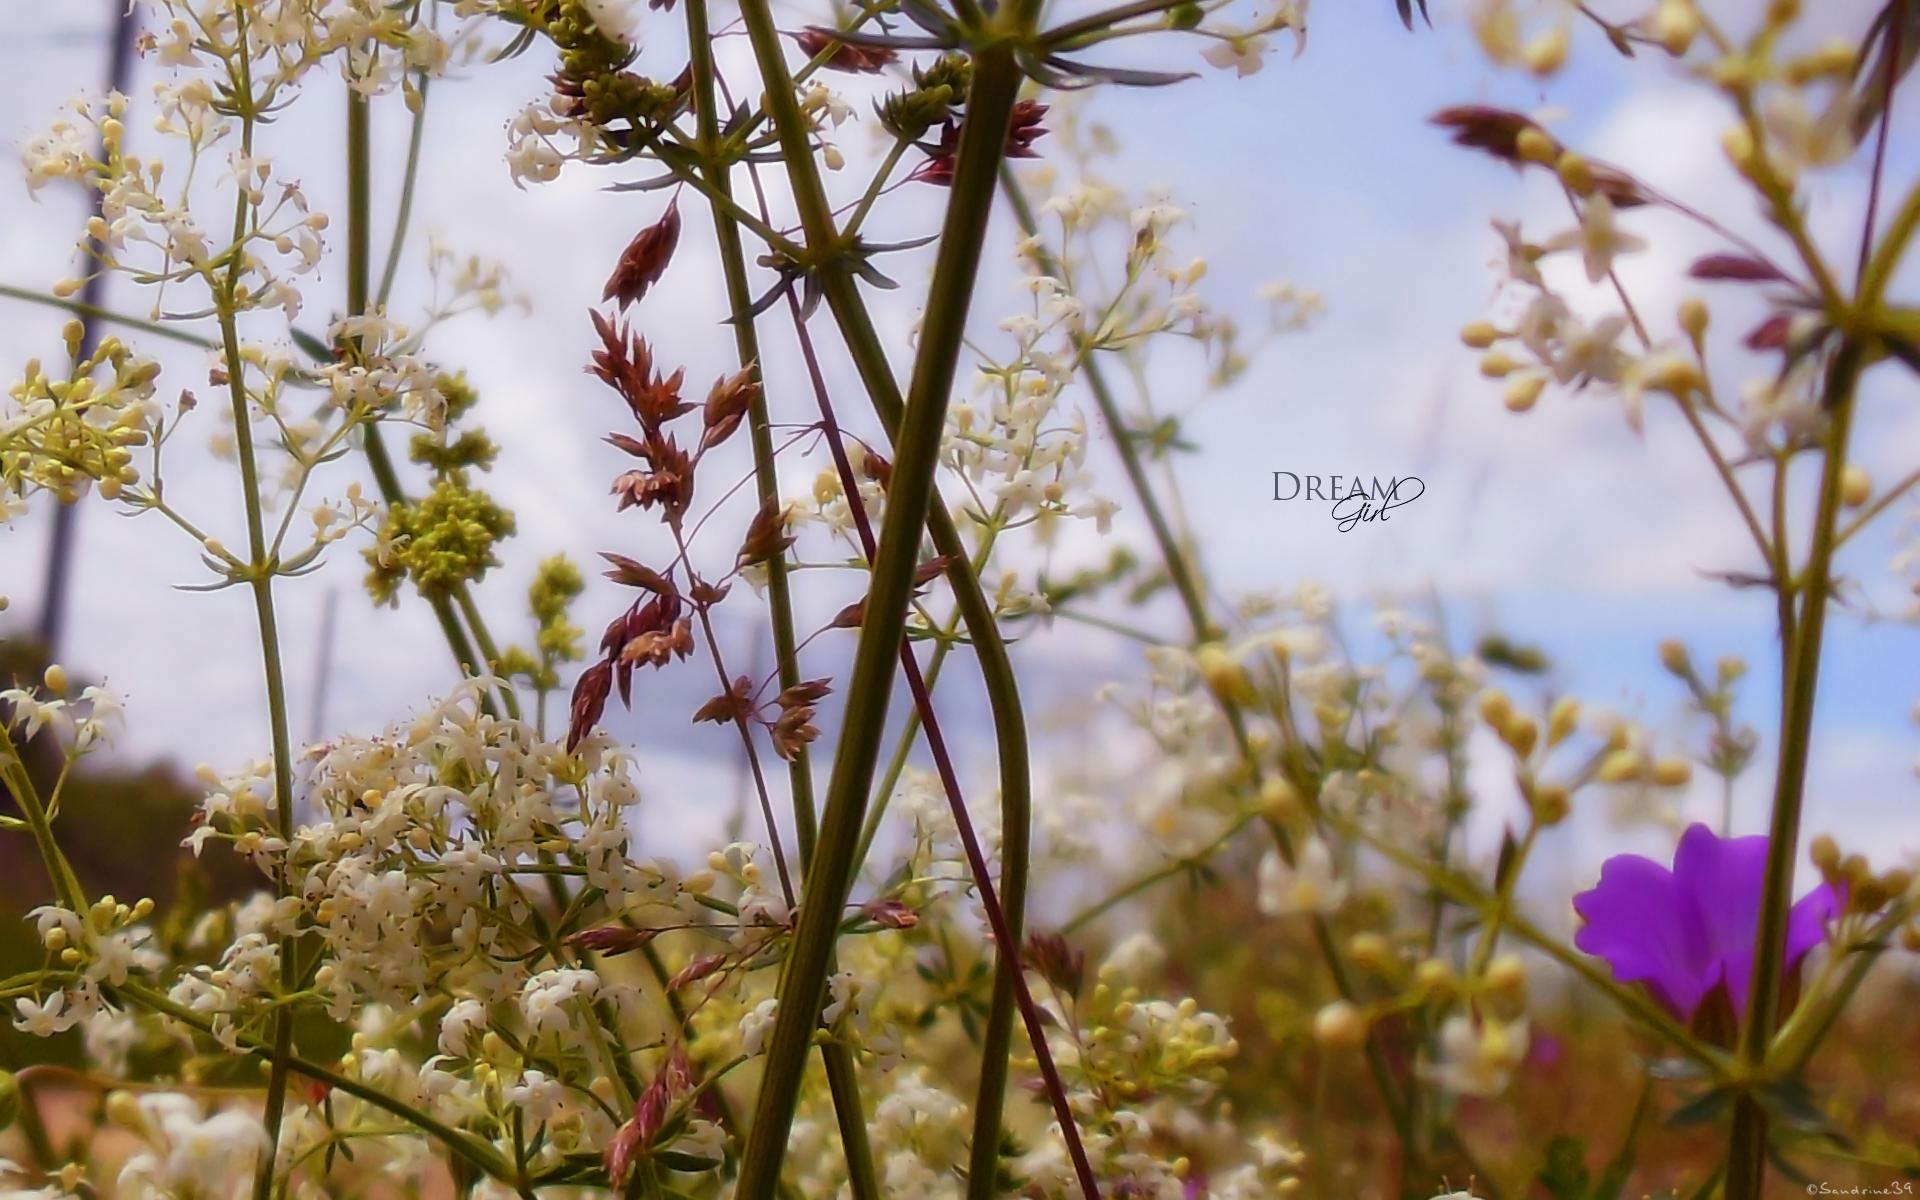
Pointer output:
1702, 1108
675, 1160
318, 350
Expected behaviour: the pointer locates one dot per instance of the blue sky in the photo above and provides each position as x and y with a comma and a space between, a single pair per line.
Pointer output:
1563, 528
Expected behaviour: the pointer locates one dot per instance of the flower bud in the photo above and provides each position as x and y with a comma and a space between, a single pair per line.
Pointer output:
1563, 720
1278, 798
1523, 391
56, 679
1739, 146
1497, 365
1480, 334
1223, 675
1535, 146
1672, 772
1496, 709
1856, 486
1546, 53
1521, 734
1674, 25
1673, 656
1435, 974
1855, 868
1507, 973
1370, 952
1340, 1026
1551, 804
1694, 317
123, 1110
1825, 853
1621, 766
1868, 896
1576, 173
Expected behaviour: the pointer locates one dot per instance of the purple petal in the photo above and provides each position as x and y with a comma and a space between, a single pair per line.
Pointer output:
1685, 931
1723, 879
1806, 923
1640, 920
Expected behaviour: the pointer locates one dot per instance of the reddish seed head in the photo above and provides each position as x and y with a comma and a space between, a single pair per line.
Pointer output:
862, 60
645, 259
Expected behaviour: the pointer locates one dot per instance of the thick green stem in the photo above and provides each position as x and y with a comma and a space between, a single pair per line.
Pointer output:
1006, 906
1747, 1151
995, 86
843, 1078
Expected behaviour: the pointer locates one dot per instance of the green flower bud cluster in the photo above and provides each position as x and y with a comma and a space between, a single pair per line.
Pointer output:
593, 70
629, 97
67, 435
938, 90
472, 448
443, 541
558, 640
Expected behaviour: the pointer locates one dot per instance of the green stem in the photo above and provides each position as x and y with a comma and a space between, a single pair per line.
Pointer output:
1746, 1164
909, 737
32, 1125
733, 265
1178, 866
489, 653
407, 181
473, 1151
13, 772
996, 81
1007, 906
359, 255
1893, 247
1061, 37
94, 312
260, 574
843, 1079
1496, 918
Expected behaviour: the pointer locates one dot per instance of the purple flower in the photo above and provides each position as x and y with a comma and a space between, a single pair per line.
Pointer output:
1687, 931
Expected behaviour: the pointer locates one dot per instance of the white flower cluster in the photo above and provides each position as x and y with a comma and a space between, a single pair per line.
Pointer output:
382, 370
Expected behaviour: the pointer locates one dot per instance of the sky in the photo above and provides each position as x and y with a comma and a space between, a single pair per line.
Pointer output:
1563, 527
